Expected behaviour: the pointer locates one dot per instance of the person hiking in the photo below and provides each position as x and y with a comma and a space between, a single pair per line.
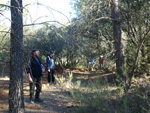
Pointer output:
50, 67
34, 71
91, 63
102, 60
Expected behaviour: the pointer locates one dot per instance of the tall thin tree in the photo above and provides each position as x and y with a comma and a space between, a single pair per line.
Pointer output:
16, 99
120, 62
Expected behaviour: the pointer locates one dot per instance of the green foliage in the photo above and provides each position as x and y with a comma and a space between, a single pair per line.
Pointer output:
64, 82
4, 47
95, 32
134, 15
90, 34
98, 97
84, 38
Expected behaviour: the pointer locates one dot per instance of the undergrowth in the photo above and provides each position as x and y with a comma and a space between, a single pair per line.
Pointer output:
100, 97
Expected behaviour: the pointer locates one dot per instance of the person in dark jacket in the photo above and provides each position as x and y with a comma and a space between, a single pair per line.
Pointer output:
34, 71
50, 67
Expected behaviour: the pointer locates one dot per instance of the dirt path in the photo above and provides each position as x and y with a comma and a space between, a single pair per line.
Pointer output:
56, 99
4, 81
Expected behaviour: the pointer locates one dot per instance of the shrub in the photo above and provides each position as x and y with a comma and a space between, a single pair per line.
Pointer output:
98, 97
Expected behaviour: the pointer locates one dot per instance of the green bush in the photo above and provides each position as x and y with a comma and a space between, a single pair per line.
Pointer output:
100, 97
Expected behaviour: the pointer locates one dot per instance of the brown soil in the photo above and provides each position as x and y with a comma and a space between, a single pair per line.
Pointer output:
56, 100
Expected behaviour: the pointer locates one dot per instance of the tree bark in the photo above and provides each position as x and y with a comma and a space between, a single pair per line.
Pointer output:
16, 98
120, 63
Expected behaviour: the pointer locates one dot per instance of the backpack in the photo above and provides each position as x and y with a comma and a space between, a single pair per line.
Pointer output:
45, 60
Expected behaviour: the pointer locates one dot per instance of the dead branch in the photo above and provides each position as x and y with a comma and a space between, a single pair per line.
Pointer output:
43, 23
5, 5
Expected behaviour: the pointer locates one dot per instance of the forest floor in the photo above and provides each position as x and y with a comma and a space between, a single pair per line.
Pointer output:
56, 99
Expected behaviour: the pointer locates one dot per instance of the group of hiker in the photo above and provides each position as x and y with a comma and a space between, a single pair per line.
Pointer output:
35, 69
92, 63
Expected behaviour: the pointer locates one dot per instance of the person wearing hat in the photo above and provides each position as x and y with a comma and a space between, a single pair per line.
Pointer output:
34, 71
50, 67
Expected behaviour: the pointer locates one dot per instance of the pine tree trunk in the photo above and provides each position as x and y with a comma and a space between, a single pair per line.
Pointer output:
120, 63
16, 99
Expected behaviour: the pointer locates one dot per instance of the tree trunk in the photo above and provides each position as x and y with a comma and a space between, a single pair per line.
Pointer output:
16, 99
120, 63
